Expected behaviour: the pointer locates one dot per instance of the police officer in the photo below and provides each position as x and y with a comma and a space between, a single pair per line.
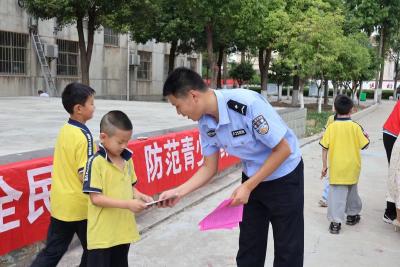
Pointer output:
244, 124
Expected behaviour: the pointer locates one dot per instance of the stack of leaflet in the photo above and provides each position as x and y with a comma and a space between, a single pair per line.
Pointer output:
223, 217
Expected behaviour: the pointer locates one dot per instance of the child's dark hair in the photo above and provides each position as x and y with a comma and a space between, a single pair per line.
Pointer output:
115, 119
75, 94
181, 81
343, 104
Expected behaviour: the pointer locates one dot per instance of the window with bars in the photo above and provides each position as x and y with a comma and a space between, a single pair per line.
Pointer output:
67, 61
111, 37
144, 69
192, 63
13, 53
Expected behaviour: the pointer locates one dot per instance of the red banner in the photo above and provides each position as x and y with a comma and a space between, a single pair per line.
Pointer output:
160, 163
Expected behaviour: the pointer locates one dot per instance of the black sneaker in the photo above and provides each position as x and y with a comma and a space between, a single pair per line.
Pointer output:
334, 228
388, 217
353, 219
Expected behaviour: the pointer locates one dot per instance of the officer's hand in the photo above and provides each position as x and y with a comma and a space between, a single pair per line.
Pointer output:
171, 198
240, 195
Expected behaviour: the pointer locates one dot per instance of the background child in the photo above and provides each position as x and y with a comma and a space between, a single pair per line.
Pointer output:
109, 180
68, 204
343, 140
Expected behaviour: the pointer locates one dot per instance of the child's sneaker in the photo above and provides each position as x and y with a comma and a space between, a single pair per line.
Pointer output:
353, 219
323, 203
334, 228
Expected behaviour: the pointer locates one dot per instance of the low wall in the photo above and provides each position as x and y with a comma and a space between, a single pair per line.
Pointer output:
295, 119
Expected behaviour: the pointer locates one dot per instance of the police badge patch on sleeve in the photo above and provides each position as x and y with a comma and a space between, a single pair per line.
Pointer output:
260, 124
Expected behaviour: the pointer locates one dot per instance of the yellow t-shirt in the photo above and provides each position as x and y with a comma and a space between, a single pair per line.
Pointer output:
344, 139
73, 147
331, 119
108, 227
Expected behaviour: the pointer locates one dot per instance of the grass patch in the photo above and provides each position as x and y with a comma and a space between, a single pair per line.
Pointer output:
316, 121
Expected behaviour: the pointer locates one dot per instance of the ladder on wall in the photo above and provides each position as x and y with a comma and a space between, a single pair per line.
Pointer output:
50, 85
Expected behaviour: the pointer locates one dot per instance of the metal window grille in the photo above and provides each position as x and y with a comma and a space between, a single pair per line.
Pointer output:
67, 61
144, 69
13, 53
111, 37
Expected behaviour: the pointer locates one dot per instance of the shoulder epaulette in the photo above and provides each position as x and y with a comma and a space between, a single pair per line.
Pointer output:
238, 107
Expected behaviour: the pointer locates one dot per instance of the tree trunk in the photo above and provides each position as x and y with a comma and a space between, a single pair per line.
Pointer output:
219, 63
396, 74
295, 92
326, 92
86, 51
82, 50
335, 89
172, 54
279, 92
380, 71
210, 55
385, 38
264, 58
225, 67
301, 92
242, 57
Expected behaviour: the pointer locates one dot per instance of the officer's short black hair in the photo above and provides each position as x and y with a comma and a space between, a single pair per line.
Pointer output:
343, 104
75, 94
115, 119
181, 81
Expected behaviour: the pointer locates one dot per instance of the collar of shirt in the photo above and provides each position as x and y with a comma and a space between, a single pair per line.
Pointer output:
79, 125
343, 119
126, 153
223, 116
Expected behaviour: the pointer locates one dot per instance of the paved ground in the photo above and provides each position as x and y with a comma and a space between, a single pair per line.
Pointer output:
32, 123
176, 241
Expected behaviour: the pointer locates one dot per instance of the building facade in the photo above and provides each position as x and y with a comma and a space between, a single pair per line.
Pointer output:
112, 74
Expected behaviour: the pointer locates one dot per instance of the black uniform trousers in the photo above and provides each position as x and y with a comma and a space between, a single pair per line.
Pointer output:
116, 256
281, 203
59, 236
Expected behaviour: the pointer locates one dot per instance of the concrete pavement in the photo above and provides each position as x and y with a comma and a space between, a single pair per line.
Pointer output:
32, 123
174, 240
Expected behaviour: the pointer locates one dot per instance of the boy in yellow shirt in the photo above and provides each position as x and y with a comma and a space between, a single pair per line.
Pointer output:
68, 204
342, 142
109, 180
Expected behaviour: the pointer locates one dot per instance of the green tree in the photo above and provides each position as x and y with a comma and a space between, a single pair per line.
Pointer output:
381, 16
242, 72
76, 12
261, 25
280, 74
394, 55
167, 21
312, 43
